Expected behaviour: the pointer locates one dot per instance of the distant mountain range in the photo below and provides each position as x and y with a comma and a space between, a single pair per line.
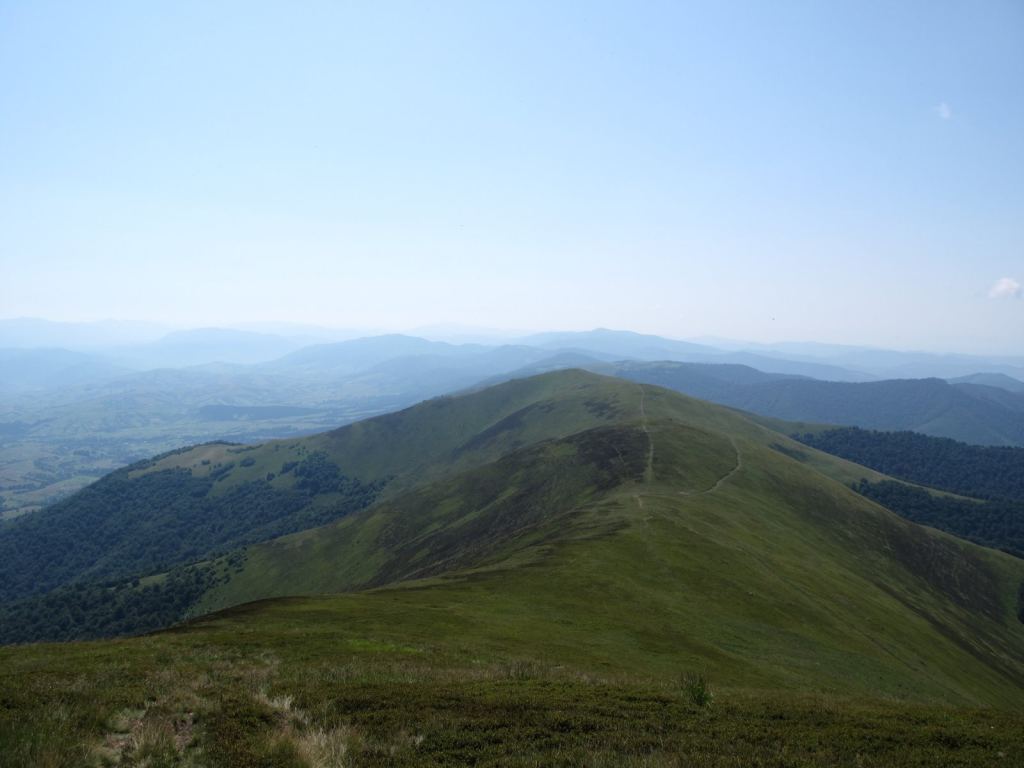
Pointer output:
625, 345
145, 346
30, 370
885, 363
997, 380
68, 416
972, 413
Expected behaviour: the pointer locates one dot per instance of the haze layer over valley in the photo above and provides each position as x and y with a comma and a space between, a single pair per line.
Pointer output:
86, 405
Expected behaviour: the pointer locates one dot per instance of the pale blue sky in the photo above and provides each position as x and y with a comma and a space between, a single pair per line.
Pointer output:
848, 172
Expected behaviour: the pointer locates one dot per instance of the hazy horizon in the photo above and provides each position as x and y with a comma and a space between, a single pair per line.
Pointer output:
848, 173
146, 331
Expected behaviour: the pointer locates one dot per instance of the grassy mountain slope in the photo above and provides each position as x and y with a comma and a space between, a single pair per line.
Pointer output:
725, 536
677, 534
187, 504
538, 601
439, 436
191, 504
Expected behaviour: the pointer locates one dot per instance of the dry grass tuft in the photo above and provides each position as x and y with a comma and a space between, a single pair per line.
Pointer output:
328, 748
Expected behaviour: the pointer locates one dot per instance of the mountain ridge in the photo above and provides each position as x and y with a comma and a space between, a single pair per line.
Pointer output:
710, 539
640, 504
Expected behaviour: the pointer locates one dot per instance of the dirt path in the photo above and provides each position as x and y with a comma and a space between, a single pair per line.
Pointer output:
731, 472
649, 470
723, 478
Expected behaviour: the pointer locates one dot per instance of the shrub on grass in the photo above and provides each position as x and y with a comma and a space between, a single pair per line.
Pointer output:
697, 689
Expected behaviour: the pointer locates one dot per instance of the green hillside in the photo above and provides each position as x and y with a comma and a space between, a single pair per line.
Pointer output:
556, 569
680, 495
190, 504
680, 535
510, 476
193, 503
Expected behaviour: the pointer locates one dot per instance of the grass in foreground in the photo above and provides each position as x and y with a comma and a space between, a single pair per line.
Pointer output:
212, 695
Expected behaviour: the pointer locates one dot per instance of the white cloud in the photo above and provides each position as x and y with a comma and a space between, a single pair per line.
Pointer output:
944, 111
1005, 288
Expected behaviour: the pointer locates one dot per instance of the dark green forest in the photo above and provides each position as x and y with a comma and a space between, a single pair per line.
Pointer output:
970, 470
122, 527
992, 476
84, 611
994, 523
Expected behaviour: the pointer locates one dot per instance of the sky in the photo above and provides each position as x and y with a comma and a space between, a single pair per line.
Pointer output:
847, 172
